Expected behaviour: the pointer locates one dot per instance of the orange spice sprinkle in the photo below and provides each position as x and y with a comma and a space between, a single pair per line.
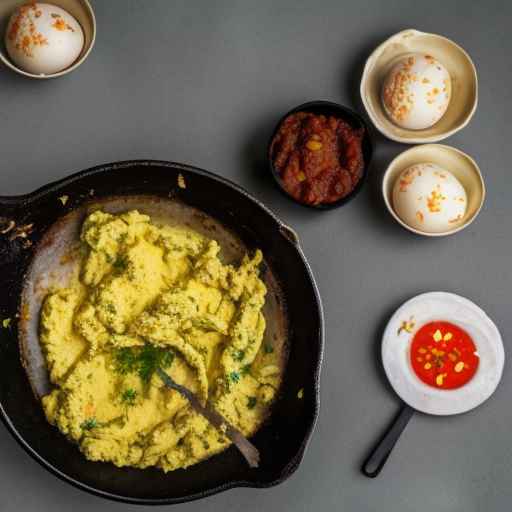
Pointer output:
406, 179
23, 29
40, 40
59, 24
25, 42
434, 201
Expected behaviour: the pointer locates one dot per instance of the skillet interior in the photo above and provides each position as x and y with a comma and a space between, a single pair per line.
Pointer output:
56, 260
240, 223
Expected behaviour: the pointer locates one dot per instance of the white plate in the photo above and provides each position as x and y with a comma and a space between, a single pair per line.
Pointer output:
449, 307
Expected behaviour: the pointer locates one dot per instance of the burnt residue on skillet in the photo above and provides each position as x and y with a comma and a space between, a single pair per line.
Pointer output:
44, 254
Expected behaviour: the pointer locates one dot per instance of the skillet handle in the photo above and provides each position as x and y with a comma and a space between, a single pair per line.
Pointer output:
14, 233
289, 233
375, 462
7, 220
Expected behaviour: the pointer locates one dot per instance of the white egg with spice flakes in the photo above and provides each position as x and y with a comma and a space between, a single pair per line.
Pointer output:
429, 198
43, 39
416, 92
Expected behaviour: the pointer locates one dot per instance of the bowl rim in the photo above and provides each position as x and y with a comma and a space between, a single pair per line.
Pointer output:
288, 233
369, 68
389, 205
346, 112
8, 62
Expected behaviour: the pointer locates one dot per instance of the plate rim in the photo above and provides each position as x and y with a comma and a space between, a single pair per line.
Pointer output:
498, 345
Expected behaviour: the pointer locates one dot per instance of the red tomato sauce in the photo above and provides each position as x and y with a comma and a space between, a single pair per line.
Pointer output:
443, 355
318, 158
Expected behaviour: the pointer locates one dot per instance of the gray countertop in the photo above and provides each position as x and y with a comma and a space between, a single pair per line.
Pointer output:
204, 83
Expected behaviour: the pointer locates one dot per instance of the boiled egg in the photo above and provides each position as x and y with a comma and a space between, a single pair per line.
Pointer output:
416, 92
429, 198
43, 39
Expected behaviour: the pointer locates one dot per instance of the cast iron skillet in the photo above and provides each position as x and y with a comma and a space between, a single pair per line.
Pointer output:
38, 225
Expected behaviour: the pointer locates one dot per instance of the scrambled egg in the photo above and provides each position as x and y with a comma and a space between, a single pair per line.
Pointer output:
153, 296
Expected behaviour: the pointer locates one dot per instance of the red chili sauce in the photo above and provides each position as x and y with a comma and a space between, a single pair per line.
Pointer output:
443, 355
319, 158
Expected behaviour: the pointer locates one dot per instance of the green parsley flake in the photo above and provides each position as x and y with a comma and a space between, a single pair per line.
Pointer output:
142, 360
238, 355
300, 394
128, 397
234, 377
6, 323
89, 424
121, 263
251, 402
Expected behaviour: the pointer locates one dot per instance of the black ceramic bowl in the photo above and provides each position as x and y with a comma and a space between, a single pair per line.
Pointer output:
34, 225
327, 108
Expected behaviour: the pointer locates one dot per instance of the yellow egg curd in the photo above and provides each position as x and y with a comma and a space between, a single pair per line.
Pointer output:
150, 296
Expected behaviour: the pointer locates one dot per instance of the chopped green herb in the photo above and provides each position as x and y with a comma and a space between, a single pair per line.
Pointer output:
122, 238
121, 263
268, 348
234, 377
142, 361
89, 424
109, 306
151, 358
238, 355
126, 360
6, 323
128, 397
300, 394
251, 402
167, 359
245, 369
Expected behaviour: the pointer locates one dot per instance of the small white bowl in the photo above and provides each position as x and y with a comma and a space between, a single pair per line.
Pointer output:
462, 166
464, 97
82, 12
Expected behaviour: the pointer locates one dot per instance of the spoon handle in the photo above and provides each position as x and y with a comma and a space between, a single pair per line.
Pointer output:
246, 448
375, 462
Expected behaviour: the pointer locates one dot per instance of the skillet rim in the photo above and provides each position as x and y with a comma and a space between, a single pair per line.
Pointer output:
287, 232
